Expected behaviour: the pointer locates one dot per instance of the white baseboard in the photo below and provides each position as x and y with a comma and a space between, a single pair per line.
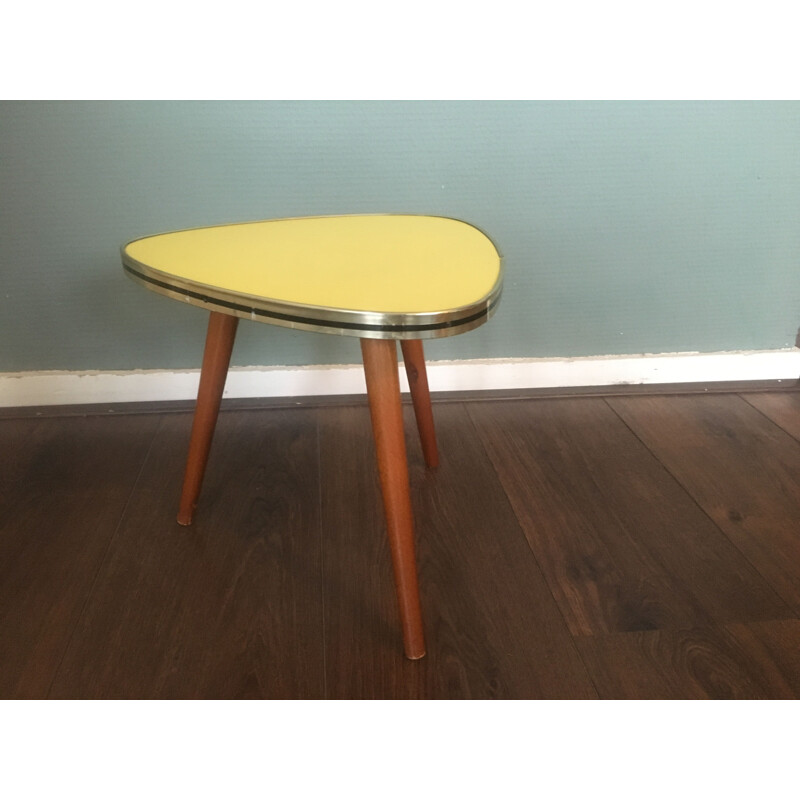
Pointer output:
66, 388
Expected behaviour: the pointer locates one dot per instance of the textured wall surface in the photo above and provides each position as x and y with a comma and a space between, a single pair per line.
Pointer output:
626, 227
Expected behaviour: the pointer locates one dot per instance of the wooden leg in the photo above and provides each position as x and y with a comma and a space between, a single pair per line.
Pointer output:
414, 359
383, 389
216, 359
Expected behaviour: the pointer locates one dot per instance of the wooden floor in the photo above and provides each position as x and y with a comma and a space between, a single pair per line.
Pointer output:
618, 547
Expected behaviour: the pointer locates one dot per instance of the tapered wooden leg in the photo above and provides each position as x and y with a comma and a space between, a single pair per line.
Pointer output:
383, 389
216, 359
414, 359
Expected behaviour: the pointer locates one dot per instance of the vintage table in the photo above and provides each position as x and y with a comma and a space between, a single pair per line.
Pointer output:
379, 277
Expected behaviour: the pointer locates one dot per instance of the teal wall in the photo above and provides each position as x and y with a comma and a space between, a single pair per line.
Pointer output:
627, 227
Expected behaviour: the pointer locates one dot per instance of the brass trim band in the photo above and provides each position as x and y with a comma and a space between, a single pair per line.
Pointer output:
345, 322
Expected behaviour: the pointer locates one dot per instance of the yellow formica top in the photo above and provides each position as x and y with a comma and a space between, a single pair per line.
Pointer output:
381, 275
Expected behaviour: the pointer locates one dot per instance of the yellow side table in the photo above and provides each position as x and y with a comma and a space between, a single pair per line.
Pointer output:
379, 277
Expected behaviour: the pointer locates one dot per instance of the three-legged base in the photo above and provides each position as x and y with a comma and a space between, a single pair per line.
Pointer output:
383, 390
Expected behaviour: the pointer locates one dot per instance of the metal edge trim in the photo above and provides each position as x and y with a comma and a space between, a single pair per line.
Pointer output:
318, 318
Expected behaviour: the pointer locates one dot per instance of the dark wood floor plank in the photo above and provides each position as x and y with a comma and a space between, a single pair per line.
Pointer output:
663, 601
739, 466
228, 608
63, 489
493, 630
783, 408
757, 660
623, 547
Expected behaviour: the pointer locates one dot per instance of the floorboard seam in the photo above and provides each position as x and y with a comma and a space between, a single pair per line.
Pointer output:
697, 503
575, 647
320, 528
769, 418
102, 560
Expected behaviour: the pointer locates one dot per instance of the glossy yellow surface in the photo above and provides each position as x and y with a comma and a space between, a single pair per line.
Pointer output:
379, 263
